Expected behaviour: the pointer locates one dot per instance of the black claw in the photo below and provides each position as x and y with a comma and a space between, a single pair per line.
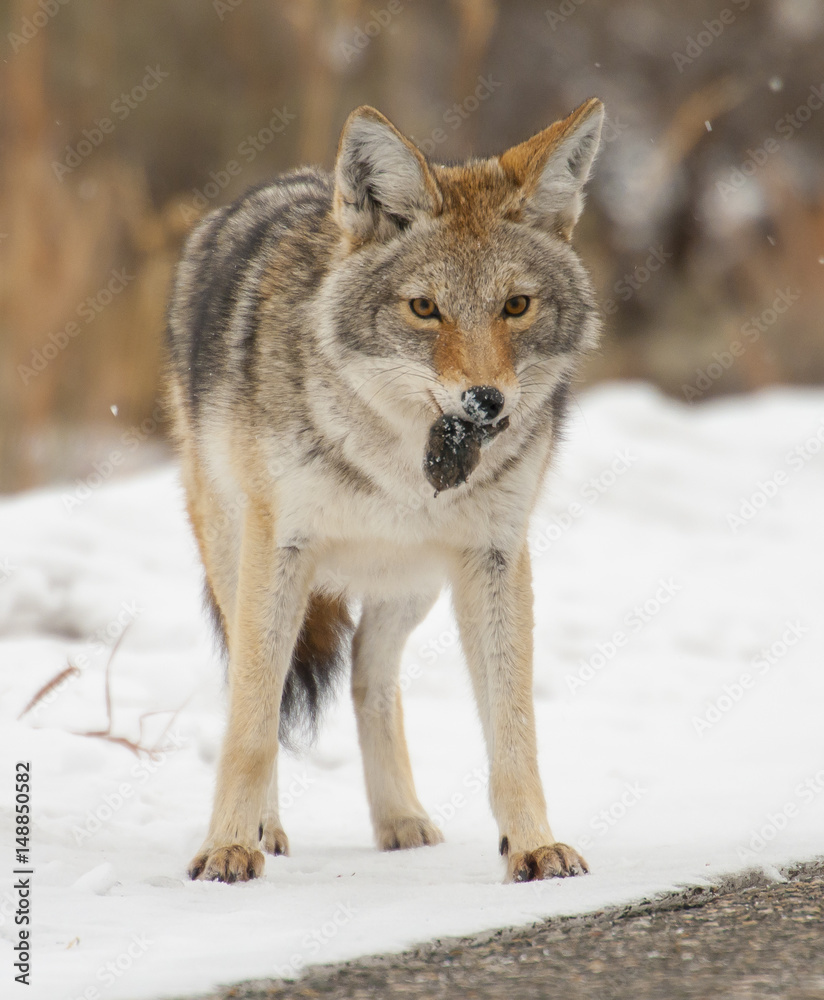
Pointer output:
530, 870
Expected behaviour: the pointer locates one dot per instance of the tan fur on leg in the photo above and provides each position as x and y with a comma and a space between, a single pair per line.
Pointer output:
273, 840
399, 819
493, 603
273, 589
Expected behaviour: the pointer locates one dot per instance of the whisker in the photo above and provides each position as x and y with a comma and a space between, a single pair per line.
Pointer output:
400, 369
385, 386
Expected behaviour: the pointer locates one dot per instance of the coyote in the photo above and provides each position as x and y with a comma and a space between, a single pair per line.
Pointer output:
368, 371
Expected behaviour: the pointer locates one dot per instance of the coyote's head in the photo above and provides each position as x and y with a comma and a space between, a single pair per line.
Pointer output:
456, 291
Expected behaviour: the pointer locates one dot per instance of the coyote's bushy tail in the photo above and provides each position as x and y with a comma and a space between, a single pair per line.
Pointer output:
319, 659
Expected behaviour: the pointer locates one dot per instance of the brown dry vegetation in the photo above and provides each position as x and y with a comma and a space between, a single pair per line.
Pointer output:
119, 216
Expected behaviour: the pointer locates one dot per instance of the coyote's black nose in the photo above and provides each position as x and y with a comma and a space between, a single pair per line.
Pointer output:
482, 403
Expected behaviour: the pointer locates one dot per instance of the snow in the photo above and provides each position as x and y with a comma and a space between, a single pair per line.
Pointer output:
678, 692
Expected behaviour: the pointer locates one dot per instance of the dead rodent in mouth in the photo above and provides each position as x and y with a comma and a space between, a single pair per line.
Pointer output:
454, 449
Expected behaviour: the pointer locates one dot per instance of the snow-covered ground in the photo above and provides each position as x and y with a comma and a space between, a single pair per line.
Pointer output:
679, 687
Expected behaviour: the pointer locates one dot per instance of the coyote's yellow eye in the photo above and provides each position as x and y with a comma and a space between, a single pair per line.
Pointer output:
516, 306
425, 308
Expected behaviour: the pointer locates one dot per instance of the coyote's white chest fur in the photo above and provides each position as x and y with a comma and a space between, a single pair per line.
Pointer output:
368, 372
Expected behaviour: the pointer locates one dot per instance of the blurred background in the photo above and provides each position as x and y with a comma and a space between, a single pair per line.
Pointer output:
122, 123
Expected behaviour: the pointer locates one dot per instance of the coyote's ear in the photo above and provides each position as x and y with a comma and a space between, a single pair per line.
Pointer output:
553, 166
382, 181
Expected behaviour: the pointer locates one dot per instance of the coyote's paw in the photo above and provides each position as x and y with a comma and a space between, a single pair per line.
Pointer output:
407, 831
556, 861
272, 839
227, 864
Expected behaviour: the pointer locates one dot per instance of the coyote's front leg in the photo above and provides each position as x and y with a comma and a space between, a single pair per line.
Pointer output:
493, 603
272, 593
399, 819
